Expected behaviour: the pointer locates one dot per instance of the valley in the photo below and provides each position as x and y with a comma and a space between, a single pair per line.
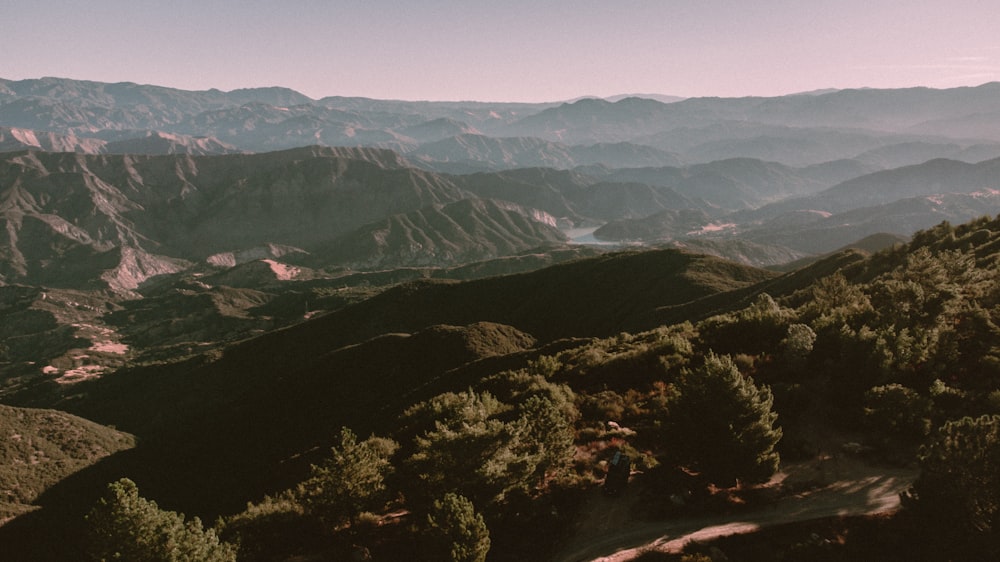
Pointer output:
242, 301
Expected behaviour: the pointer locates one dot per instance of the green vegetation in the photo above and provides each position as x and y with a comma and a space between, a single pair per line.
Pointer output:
960, 483
486, 437
39, 448
723, 425
126, 526
455, 532
351, 481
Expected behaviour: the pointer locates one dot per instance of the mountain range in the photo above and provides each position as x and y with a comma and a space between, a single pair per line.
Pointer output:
225, 279
797, 130
224, 237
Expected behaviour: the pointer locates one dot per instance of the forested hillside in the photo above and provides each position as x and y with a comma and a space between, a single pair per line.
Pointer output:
254, 325
495, 435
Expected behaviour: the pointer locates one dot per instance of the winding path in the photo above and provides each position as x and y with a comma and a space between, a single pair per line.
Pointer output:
855, 491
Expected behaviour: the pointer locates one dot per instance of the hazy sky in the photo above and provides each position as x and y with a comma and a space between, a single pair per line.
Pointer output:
506, 50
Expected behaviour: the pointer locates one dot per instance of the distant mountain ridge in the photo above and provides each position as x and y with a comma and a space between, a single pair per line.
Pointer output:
75, 220
465, 231
797, 129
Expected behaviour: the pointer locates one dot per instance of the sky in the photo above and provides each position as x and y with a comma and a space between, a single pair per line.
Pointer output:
506, 50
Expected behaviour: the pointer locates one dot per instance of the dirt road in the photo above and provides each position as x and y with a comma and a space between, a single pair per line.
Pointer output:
854, 489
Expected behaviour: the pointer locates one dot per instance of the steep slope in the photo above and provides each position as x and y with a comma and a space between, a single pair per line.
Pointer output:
157, 142
579, 298
820, 233
574, 197
60, 104
930, 178
935, 177
238, 411
274, 399
264, 127
443, 235
742, 251
42, 447
73, 219
14, 139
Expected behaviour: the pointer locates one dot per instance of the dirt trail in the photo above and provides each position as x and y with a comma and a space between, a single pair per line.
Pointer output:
847, 487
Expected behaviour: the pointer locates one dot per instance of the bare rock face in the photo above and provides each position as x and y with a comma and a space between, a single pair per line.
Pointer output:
136, 266
117, 221
267, 251
158, 142
13, 138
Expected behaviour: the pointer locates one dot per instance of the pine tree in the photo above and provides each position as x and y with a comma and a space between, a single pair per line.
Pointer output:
722, 424
455, 532
469, 451
958, 491
125, 526
351, 481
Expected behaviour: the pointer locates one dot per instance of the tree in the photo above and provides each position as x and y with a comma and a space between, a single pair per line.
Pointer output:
758, 328
455, 532
471, 452
271, 528
723, 425
547, 433
797, 345
351, 481
900, 416
958, 491
125, 526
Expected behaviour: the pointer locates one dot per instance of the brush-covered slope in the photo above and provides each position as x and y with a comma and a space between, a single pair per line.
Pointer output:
588, 297
219, 429
934, 177
56, 333
39, 448
741, 251
899, 201
466, 231
213, 430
